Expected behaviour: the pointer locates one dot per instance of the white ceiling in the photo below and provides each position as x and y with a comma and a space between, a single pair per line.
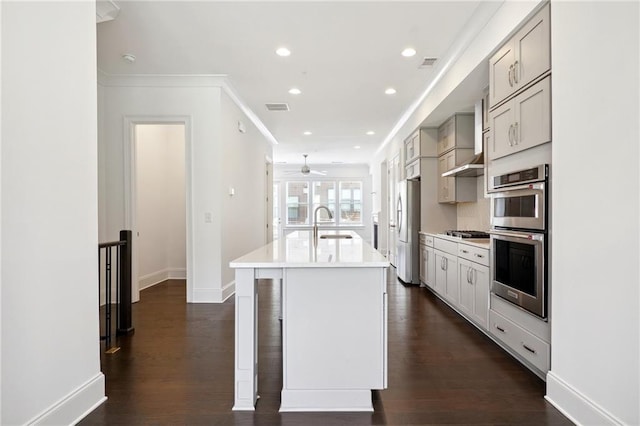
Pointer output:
344, 55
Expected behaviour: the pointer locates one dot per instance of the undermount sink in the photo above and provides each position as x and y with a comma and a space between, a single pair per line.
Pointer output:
336, 236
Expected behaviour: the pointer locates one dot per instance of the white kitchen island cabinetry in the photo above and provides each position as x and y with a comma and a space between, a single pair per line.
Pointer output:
334, 322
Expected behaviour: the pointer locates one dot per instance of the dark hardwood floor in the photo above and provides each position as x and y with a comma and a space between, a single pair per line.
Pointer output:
177, 369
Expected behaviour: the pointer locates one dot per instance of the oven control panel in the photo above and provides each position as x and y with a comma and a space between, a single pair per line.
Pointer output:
535, 174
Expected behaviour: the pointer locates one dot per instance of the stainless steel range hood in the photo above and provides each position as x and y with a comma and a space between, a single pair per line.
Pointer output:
475, 166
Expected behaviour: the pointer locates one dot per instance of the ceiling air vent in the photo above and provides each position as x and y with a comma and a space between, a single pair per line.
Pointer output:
427, 62
277, 107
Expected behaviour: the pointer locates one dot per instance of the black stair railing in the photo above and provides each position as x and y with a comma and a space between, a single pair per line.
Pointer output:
118, 254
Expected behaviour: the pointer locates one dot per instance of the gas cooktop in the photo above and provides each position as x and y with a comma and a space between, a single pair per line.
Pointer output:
467, 234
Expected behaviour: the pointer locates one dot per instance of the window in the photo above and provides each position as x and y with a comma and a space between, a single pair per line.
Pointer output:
324, 194
351, 203
343, 198
297, 203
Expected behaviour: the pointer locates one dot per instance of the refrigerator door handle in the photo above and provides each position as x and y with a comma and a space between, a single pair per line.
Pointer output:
399, 213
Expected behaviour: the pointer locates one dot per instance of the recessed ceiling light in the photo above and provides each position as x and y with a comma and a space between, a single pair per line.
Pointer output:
371, 132
295, 91
356, 147
283, 51
390, 91
409, 52
307, 133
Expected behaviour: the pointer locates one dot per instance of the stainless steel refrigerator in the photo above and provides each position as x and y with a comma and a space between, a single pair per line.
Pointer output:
407, 226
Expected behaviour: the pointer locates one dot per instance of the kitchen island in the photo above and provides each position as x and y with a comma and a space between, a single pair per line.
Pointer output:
334, 321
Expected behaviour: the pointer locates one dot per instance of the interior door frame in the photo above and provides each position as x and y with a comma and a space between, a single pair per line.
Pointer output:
130, 179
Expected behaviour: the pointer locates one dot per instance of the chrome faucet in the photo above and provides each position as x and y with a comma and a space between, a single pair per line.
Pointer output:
315, 221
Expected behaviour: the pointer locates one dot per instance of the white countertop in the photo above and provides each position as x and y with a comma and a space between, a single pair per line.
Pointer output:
298, 251
484, 243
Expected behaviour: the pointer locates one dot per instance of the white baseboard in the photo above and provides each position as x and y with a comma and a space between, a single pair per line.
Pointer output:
576, 406
75, 406
154, 278
213, 295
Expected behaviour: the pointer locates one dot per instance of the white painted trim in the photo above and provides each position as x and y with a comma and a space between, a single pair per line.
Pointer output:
129, 180
231, 92
83, 400
214, 295
576, 406
195, 80
160, 80
157, 277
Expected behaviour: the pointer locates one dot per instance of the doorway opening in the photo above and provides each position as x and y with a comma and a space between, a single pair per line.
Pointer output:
158, 203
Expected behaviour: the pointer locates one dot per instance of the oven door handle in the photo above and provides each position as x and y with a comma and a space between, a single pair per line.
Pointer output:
522, 235
537, 186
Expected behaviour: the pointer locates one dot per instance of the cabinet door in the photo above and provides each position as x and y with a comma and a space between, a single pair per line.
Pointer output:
500, 74
451, 291
465, 272
532, 124
412, 147
480, 281
443, 190
451, 181
412, 170
526, 56
501, 134
423, 263
430, 267
440, 282
446, 136
532, 50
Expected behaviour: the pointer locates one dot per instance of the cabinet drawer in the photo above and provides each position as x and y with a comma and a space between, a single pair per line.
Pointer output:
426, 240
446, 246
525, 344
474, 254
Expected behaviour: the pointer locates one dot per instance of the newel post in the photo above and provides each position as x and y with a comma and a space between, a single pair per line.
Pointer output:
124, 321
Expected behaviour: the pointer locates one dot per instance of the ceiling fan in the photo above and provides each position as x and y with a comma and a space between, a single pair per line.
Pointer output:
306, 170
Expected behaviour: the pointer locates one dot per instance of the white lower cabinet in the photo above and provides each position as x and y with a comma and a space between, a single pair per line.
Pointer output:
474, 291
427, 263
528, 346
446, 282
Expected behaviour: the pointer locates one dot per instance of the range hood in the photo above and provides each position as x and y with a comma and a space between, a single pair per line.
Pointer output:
475, 166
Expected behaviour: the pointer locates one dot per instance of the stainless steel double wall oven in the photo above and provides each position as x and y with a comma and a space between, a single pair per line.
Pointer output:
519, 220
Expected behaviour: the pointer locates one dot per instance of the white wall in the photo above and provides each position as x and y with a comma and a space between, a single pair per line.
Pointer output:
595, 356
160, 196
50, 340
243, 164
154, 99
216, 159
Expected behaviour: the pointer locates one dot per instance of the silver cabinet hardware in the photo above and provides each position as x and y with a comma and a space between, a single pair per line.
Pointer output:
516, 67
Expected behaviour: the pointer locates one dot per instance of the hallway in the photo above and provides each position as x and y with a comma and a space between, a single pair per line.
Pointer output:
177, 369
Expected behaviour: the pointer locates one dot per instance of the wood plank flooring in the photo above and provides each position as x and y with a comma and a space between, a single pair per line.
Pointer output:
177, 369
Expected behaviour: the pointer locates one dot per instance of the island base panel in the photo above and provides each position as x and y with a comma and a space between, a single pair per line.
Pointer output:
326, 400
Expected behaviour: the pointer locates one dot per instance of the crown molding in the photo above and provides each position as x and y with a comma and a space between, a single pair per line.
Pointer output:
161, 80
190, 80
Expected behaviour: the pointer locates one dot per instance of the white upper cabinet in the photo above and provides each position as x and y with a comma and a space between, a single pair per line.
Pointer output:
522, 122
456, 132
525, 57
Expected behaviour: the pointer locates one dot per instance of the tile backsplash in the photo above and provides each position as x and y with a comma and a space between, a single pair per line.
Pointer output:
475, 216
